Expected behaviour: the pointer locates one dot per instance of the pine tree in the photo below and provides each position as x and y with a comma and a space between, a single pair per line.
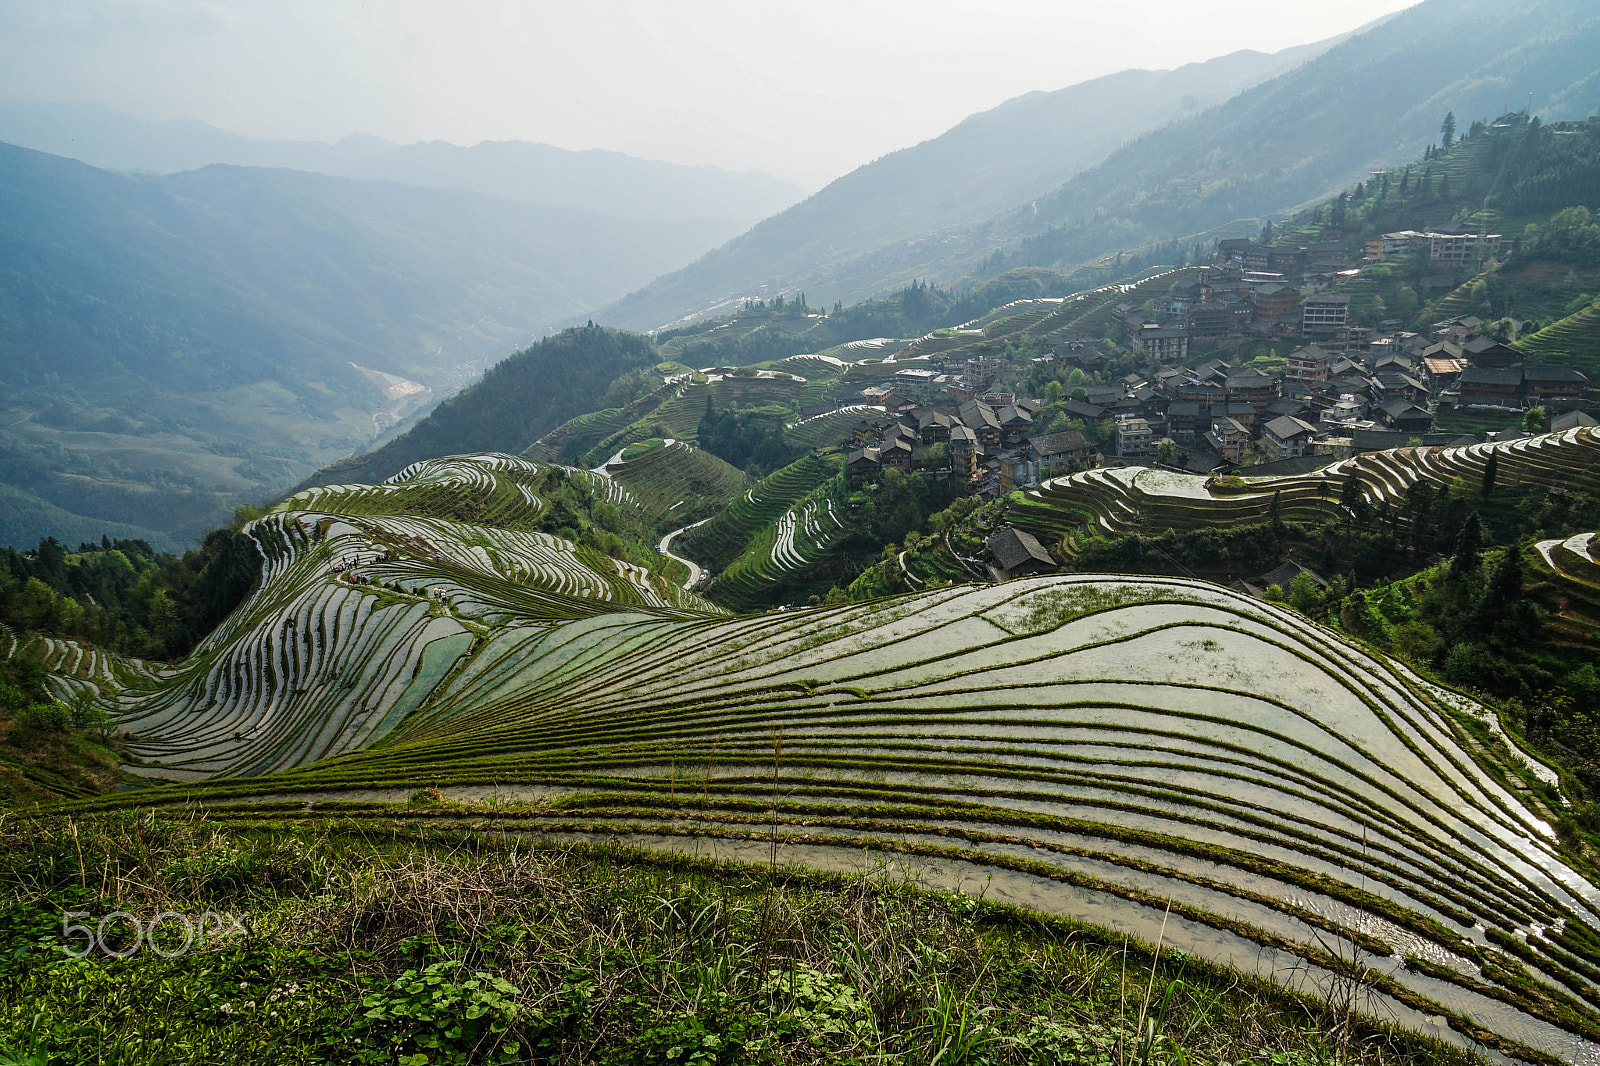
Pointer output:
1491, 471
1505, 584
1502, 609
1275, 512
1448, 129
1469, 546
1353, 500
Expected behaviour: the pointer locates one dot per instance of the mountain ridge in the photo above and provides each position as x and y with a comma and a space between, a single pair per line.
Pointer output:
957, 178
1232, 161
610, 182
176, 345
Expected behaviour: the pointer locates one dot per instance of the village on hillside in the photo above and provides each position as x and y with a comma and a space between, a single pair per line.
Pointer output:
1344, 388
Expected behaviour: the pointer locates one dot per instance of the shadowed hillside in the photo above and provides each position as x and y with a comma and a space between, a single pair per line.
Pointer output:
171, 347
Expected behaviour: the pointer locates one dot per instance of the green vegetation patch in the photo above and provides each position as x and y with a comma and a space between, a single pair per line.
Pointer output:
325, 945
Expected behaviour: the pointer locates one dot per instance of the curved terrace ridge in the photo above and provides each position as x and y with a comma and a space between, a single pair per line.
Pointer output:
1145, 752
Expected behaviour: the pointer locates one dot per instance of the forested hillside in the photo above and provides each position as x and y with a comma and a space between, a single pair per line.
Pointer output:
172, 347
562, 376
1535, 184
1372, 102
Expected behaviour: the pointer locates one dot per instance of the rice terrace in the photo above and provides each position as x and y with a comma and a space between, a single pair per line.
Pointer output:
1163, 757
887, 537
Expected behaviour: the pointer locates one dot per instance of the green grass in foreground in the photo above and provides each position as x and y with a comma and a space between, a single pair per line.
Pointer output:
357, 947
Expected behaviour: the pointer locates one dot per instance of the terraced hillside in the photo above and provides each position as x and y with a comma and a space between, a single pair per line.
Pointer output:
1161, 756
675, 483
574, 438
1573, 341
799, 539
731, 533
1573, 567
799, 384
370, 595
1142, 499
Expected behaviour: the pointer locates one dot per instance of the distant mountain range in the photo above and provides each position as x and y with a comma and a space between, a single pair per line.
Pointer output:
610, 183
1058, 179
903, 216
171, 346
1374, 101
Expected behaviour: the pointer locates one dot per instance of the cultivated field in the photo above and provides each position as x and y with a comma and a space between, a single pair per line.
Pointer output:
1136, 499
1158, 756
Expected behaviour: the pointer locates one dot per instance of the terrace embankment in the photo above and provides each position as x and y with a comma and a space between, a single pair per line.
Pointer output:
1138, 499
1129, 751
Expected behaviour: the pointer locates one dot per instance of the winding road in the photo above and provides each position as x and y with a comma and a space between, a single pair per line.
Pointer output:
665, 548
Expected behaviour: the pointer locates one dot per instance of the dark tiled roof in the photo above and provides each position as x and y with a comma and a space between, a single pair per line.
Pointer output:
1012, 548
1553, 373
1300, 464
1377, 440
1400, 405
1476, 375
1286, 426
1069, 440
1285, 574
1247, 378
977, 415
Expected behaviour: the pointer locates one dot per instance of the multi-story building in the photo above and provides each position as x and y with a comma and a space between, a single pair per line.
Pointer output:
1251, 386
1450, 248
1309, 364
1163, 343
1325, 315
1210, 320
1542, 383
1481, 385
1275, 302
1289, 436
1462, 248
964, 450
1229, 438
1134, 437
1067, 448
1393, 244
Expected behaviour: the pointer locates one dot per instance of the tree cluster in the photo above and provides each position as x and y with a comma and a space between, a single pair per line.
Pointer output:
126, 597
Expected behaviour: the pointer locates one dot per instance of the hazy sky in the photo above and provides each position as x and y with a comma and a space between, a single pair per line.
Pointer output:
806, 89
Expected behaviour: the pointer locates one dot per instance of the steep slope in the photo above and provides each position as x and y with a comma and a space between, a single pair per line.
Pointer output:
172, 346
513, 404
611, 183
1372, 101
846, 241
1166, 756
1571, 341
